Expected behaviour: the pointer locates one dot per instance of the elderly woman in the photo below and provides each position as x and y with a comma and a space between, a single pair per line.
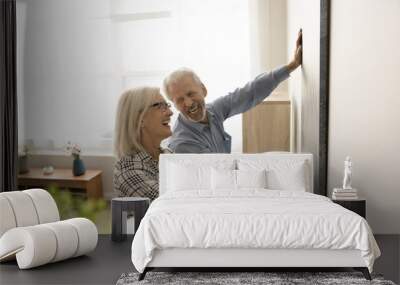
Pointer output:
142, 122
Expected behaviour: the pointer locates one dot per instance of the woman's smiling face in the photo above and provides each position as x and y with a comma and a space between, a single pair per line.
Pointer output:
156, 120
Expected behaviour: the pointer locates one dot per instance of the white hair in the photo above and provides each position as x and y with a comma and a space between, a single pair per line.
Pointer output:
177, 75
132, 106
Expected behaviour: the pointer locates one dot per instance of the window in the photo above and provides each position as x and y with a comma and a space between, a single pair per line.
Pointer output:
76, 57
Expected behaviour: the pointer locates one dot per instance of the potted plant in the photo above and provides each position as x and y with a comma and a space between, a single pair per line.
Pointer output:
71, 206
78, 167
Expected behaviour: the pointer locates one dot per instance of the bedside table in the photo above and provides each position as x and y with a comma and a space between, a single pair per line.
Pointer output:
358, 206
119, 210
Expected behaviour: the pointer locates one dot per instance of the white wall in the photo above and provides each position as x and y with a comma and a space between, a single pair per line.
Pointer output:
364, 111
304, 83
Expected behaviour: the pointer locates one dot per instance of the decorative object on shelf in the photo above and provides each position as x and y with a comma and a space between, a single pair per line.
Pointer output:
48, 170
78, 167
23, 152
347, 192
347, 173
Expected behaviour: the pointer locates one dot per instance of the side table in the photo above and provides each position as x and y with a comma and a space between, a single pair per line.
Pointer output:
91, 181
358, 206
119, 210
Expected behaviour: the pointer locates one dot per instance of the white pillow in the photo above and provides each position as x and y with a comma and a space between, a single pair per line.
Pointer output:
223, 179
281, 174
251, 178
188, 175
291, 178
227, 179
183, 177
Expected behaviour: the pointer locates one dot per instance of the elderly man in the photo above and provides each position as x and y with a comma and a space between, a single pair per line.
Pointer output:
199, 127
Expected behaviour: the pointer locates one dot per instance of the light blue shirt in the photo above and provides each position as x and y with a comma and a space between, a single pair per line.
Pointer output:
190, 137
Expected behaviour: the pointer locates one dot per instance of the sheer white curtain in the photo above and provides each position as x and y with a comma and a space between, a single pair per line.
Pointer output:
79, 55
268, 37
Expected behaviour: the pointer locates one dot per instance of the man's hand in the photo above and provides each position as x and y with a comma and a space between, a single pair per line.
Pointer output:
298, 55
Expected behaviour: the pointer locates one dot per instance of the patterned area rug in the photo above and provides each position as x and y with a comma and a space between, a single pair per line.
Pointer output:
270, 278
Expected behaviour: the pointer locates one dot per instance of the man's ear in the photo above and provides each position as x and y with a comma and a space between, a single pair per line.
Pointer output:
204, 89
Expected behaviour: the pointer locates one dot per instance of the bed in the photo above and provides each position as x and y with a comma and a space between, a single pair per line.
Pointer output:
247, 210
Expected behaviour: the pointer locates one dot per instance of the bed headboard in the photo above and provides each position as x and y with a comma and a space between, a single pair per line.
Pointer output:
209, 159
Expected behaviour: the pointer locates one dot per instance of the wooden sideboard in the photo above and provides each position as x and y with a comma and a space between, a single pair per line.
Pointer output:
266, 127
91, 181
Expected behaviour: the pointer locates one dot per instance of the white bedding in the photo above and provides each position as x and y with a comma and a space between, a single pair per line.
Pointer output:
251, 218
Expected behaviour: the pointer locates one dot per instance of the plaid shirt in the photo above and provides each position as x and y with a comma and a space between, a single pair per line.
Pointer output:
136, 176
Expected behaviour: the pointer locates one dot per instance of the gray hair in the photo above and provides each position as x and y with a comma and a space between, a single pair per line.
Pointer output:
132, 106
177, 75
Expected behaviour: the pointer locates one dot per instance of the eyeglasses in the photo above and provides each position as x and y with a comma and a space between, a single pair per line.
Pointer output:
163, 106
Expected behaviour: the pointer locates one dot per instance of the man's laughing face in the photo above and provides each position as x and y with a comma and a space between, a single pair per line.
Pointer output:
188, 97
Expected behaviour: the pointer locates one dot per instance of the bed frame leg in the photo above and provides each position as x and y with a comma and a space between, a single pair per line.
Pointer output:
364, 271
143, 274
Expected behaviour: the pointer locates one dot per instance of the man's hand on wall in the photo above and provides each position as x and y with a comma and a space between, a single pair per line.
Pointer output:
298, 55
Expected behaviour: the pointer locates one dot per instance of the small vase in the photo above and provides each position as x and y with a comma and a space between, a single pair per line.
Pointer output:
78, 168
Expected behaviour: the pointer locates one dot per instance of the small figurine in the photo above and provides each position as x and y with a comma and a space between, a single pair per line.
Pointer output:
48, 170
347, 173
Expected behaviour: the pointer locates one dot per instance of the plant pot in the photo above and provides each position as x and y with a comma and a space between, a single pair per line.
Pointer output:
78, 167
